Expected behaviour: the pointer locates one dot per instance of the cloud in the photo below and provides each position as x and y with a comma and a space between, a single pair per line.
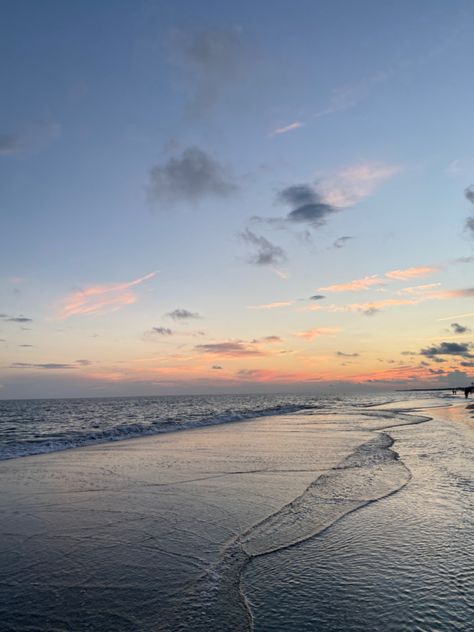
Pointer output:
266, 252
469, 363
459, 329
50, 365
192, 177
26, 346
216, 367
98, 299
15, 319
354, 286
212, 61
341, 354
319, 331
411, 273
317, 297
306, 204
416, 289
469, 193
162, 331
448, 348
275, 305
469, 224
182, 314
353, 184
10, 143
235, 348
33, 137
271, 339
342, 241
288, 128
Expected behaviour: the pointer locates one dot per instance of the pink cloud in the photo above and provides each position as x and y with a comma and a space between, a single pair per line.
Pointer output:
355, 183
355, 285
100, 298
411, 273
320, 331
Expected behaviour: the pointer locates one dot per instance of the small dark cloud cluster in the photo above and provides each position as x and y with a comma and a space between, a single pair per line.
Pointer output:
216, 367
182, 314
461, 349
190, 178
266, 253
317, 297
342, 354
15, 319
370, 311
306, 205
469, 223
235, 348
342, 241
459, 329
162, 331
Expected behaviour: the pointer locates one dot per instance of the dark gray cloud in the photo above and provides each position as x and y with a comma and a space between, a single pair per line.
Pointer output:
216, 367
50, 365
232, 349
437, 371
272, 339
162, 331
46, 365
182, 314
469, 193
341, 354
459, 329
306, 204
212, 61
190, 178
26, 345
266, 252
469, 224
342, 241
370, 311
10, 143
16, 319
467, 363
448, 348
317, 297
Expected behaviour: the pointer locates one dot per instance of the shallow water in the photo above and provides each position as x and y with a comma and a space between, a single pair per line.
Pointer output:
403, 563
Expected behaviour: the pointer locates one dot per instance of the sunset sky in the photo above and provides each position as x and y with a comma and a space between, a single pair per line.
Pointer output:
202, 197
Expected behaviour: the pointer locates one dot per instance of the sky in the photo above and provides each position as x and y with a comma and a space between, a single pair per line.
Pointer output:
222, 197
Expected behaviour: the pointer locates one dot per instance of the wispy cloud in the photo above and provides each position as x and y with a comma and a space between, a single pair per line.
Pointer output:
319, 331
353, 184
266, 253
411, 273
212, 61
98, 299
287, 128
342, 354
356, 285
275, 305
341, 241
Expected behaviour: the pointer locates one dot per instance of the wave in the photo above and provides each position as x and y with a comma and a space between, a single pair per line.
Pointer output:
217, 601
75, 439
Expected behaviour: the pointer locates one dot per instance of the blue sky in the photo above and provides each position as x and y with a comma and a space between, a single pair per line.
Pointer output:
215, 158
